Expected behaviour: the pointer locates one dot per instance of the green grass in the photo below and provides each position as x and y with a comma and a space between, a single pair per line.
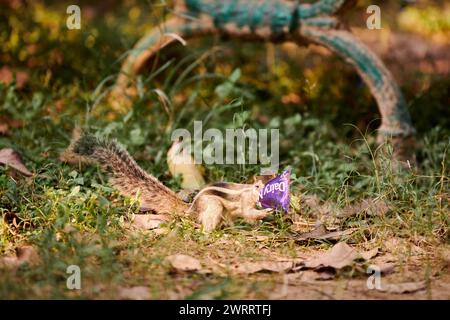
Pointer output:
73, 216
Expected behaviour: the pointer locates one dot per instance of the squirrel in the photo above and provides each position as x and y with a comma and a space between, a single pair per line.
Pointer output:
209, 207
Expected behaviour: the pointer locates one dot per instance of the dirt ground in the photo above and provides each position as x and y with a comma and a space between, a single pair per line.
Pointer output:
438, 288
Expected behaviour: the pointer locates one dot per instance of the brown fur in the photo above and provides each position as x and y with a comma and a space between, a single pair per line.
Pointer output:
209, 206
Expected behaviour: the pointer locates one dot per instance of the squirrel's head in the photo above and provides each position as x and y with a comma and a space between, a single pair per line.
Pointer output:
257, 187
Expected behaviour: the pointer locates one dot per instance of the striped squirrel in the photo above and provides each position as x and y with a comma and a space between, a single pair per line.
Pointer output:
209, 207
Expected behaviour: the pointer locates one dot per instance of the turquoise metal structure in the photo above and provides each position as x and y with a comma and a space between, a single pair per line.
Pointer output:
278, 21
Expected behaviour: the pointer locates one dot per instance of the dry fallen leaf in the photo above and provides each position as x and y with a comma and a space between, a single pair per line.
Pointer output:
161, 231
25, 254
12, 159
28, 254
148, 221
9, 262
406, 287
386, 263
182, 262
369, 254
313, 204
320, 232
398, 246
386, 268
181, 163
338, 257
310, 275
291, 98
370, 207
4, 128
446, 257
264, 266
7, 76
134, 293
6, 123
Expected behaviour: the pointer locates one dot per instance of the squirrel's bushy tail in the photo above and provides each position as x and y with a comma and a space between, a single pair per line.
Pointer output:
128, 177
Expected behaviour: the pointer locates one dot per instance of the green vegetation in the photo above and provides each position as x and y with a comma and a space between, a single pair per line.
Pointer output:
326, 119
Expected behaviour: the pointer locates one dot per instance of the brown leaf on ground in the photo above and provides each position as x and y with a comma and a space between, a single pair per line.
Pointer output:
4, 129
134, 293
7, 77
6, 123
161, 231
386, 263
310, 275
25, 254
12, 159
446, 257
28, 254
320, 232
297, 261
386, 268
182, 262
396, 245
291, 98
9, 262
385, 258
180, 292
148, 221
369, 254
338, 257
263, 266
317, 209
406, 287
370, 207
341, 255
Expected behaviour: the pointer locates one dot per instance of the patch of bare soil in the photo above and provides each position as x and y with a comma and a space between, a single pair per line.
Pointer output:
436, 288
419, 274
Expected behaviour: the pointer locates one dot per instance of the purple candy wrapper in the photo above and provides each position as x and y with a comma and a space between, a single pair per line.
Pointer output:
275, 193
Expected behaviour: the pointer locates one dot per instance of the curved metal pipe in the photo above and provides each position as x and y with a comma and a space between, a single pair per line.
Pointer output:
149, 45
396, 120
280, 21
